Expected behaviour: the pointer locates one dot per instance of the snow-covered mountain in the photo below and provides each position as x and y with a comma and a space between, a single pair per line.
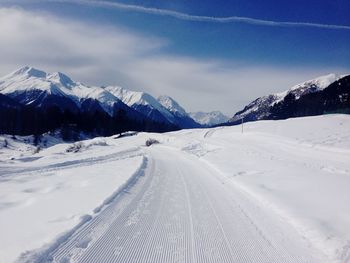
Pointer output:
182, 118
30, 86
209, 118
143, 103
163, 109
266, 107
36, 89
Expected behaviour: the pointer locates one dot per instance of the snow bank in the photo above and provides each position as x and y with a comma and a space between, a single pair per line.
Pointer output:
83, 145
44, 200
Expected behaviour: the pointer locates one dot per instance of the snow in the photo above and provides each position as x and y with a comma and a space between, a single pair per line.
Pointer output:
171, 105
131, 97
313, 85
30, 79
209, 118
299, 168
60, 78
278, 192
136, 98
42, 198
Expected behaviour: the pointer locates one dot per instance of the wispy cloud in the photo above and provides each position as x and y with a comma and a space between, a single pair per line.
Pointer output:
198, 18
109, 55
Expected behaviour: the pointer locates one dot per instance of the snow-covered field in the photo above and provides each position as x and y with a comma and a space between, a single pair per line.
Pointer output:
45, 195
278, 192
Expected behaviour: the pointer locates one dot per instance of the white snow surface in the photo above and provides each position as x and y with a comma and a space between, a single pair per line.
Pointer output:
209, 118
45, 195
278, 192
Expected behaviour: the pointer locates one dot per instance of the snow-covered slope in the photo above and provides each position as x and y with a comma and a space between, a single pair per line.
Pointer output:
143, 103
171, 105
309, 86
299, 168
31, 86
61, 187
278, 192
260, 108
182, 118
209, 118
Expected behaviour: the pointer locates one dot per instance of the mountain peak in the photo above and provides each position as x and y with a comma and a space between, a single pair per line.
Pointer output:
313, 85
30, 71
60, 78
136, 99
171, 105
209, 118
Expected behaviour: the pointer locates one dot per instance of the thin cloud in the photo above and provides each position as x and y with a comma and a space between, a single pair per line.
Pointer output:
197, 18
109, 55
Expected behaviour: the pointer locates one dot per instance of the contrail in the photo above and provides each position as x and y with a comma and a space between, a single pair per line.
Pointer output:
196, 18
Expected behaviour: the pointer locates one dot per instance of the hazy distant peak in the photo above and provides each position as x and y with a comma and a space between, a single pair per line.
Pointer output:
209, 118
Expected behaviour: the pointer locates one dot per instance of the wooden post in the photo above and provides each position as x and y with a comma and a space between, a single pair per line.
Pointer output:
242, 124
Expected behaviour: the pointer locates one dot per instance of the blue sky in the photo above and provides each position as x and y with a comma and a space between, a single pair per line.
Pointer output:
183, 49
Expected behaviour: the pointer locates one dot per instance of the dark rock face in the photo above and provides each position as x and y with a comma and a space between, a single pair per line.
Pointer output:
186, 122
259, 109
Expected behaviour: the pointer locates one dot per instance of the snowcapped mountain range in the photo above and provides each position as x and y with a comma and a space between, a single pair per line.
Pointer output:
303, 97
179, 113
32, 87
33, 101
209, 118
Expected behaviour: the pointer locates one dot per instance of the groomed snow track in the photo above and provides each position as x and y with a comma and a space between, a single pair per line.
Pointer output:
181, 210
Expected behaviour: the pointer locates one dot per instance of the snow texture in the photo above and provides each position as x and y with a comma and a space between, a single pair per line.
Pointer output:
278, 192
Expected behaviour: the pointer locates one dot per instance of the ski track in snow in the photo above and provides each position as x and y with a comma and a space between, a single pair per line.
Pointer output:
276, 193
67, 164
180, 212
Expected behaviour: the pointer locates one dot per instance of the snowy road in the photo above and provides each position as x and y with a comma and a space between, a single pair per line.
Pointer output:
183, 210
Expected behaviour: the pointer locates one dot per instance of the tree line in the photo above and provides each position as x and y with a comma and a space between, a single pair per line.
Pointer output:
27, 120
